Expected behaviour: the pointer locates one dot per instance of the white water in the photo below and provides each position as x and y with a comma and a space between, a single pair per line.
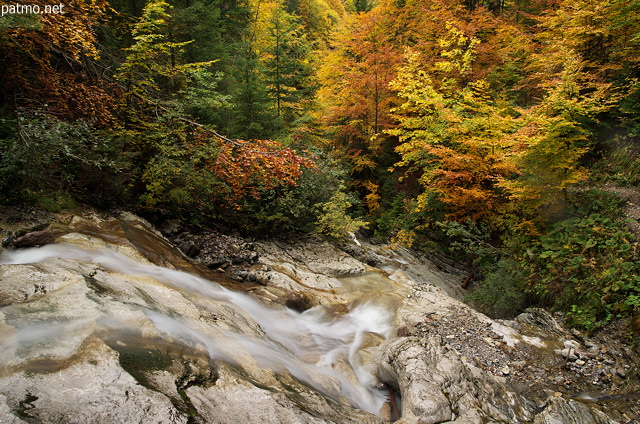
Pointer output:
307, 345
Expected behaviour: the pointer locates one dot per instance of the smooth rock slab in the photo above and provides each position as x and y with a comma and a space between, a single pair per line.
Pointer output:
96, 391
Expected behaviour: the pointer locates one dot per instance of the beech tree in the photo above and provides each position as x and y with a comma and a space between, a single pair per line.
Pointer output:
454, 133
556, 133
49, 63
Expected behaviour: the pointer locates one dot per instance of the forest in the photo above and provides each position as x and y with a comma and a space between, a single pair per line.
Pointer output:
496, 133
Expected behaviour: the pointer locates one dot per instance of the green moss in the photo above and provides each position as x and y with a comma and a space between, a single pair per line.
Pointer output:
138, 361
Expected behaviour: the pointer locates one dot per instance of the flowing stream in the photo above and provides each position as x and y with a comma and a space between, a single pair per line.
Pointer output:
317, 348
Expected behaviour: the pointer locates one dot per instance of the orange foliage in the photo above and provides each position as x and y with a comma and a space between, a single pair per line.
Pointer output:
250, 167
48, 61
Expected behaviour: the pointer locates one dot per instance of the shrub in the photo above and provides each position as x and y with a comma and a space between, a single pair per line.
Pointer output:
501, 294
588, 266
334, 221
44, 157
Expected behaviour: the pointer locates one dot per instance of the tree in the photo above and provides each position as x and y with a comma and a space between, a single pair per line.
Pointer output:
556, 133
153, 69
454, 133
289, 73
49, 63
357, 98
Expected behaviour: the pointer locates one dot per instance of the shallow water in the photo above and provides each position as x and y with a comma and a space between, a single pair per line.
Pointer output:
312, 346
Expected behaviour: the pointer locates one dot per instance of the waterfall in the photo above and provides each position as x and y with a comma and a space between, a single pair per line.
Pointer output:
312, 346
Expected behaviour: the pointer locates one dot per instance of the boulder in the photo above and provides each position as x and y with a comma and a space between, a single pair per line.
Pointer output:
437, 386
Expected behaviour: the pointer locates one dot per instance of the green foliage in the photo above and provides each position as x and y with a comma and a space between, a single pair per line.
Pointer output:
399, 216
289, 72
201, 98
335, 221
501, 294
619, 164
153, 68
292, 209
586, 265
468, 241
47, 155
253, 114
175, 180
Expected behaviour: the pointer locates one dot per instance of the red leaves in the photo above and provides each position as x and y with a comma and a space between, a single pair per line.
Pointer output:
250, 167
47, 61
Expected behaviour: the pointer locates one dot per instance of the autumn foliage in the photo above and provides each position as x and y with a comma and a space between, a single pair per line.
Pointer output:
49, 62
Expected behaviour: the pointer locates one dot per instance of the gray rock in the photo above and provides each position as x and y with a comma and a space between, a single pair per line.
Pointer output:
561, 411
540, 319
435, 382
78, 344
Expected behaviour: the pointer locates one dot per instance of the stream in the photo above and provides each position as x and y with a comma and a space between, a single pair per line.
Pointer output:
113, 324
308, 345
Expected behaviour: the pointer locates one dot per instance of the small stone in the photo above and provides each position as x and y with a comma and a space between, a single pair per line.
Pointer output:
557, 394
450, 336
489, 341
580, 362
569, 353
505, 370
571, 344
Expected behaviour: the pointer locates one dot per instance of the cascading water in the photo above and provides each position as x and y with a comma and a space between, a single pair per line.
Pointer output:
311, 346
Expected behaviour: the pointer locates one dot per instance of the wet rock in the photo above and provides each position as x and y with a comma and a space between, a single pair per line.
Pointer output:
37, 238
78, 343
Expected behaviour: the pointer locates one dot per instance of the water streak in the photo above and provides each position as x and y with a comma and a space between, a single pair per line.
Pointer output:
292, 339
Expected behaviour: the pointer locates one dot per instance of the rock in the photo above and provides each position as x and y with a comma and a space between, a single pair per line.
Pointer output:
170, 227
622, 372
82, 341
193, 251
317, 256
215, 262
360, 254
541, 319
568, 353
435, 382
259, 274
571, 344
96, 391
37, 238
561, 411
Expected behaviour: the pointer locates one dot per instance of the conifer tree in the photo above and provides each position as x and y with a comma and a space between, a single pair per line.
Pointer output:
289, 72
